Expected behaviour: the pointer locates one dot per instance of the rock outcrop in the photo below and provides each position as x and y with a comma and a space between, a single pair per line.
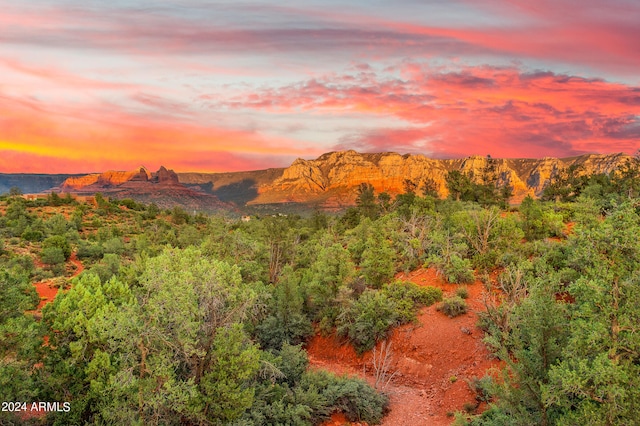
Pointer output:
330, 179
161, 187
336, 172
166, 177
105, 180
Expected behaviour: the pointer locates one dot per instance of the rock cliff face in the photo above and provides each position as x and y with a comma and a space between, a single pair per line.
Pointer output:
78, 182
338, 172
166, 177
108, 179
330, 179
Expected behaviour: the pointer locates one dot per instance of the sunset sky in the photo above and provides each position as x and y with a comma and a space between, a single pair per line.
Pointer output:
197, 85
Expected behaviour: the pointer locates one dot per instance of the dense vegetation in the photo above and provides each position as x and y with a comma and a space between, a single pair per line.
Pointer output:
182, 319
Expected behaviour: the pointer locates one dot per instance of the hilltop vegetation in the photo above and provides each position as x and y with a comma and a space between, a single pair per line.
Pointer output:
183, 319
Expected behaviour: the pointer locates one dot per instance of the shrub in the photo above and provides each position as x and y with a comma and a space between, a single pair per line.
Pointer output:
409, 297
455, 269
88, 250
32, 235
462, 292
368, 319
378, 261
421, 296
60, 242
292, 361
354, 397
538, 221
482, 387
469, 407
485, 261
52, 255
453, 306
114, 245
130, 204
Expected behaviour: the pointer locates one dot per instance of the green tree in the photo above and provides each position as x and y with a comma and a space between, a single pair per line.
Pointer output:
60, 242
429, 188
54, 200
57, 225
14, 191
378, 260
626, 178
368, 319
384, 200
565, 185
530, 345
286, 322
329, 276
150, 356
598, 380
458, 184
225, 386
487, 234
179, 216
538, 223
80, 358
52, 256
366, 200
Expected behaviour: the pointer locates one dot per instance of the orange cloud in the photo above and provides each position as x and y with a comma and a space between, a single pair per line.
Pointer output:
35, 138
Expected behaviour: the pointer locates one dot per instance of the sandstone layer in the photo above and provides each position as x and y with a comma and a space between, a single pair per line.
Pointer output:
331, 178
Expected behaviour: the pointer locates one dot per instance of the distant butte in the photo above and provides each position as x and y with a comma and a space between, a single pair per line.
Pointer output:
162, 187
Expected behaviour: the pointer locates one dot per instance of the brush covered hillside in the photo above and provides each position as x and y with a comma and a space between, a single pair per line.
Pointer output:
403, 310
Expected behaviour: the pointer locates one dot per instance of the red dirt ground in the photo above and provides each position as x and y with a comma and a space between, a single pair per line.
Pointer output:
434, 359
47, 290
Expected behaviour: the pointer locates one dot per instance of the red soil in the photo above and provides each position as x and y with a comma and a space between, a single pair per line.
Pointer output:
433, 359
339, 419
47, 290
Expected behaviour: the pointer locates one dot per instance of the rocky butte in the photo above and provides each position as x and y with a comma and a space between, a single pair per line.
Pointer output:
162, 187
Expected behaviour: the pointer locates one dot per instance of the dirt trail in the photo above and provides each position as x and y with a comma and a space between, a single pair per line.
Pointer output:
433, 359
47, 290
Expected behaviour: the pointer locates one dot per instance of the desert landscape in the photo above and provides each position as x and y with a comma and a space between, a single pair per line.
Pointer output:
319, 213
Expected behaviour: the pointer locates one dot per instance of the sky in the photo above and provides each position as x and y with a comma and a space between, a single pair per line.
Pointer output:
213, 86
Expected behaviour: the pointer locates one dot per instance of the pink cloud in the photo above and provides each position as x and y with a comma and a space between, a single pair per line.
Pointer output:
592, 35
501, 111
60, 77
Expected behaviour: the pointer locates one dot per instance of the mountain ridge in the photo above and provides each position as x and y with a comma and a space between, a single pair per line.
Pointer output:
330, 180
